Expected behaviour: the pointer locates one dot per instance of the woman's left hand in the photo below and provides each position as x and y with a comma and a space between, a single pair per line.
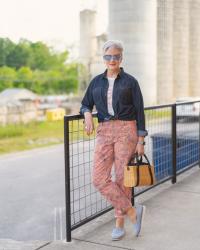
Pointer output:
139, 149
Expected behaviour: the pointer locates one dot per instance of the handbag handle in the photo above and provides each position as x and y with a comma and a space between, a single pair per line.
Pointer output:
140, 160
138, 163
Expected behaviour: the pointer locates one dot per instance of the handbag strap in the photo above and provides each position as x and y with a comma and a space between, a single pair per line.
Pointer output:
139, 162
133, 160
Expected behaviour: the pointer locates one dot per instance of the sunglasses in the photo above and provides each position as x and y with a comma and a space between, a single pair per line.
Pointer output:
112, 57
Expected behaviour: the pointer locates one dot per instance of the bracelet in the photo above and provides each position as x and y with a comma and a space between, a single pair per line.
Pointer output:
141, 142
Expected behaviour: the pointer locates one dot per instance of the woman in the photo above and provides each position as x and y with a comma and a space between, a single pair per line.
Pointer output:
120, 133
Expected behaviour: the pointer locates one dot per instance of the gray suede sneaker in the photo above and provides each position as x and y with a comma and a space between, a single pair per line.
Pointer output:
140, 211
118, 233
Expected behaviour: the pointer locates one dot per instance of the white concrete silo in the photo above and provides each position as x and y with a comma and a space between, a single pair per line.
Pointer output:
134, 22
165, 89
88, 44
194, 43
181, 47
87, 34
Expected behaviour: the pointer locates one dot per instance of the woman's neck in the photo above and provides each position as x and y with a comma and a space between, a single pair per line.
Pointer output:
112, 73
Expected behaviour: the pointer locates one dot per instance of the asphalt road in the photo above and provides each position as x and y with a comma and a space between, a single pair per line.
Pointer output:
32, 191
32, 194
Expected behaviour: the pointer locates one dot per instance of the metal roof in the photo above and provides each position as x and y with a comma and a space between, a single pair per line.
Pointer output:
17, 94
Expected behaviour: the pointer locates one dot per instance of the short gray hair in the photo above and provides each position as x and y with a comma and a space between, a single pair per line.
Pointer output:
113, 43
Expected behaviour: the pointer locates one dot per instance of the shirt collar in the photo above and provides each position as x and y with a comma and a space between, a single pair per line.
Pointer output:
121, 73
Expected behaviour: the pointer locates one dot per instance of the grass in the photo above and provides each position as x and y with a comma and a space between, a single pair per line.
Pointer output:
36, 134
76, 130
39, 134
158, 113
15, 138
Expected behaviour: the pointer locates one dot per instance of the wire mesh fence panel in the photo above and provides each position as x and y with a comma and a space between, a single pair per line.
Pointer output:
187, 135
86, 201
158, 142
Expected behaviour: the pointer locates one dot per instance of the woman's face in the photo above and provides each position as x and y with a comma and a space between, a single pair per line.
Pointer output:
112, 59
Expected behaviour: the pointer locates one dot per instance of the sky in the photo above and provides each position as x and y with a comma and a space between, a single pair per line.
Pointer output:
55, 22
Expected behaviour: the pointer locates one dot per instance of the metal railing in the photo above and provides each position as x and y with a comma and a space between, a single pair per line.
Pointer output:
172, 146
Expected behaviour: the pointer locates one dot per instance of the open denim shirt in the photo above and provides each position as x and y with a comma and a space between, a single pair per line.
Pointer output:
127, 100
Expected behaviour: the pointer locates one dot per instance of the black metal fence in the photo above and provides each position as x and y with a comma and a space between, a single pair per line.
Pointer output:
172, 146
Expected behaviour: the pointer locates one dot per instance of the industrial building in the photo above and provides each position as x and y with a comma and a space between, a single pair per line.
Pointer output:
162, 45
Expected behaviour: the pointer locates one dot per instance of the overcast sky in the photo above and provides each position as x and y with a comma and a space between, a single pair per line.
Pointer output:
53, 21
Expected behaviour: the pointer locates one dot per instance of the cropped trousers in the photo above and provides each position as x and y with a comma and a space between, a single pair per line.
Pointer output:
115, 143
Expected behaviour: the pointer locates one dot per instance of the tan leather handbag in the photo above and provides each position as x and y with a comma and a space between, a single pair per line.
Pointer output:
139, 173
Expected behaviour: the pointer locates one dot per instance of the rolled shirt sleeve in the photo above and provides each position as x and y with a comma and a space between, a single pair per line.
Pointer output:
87, 103
142, 133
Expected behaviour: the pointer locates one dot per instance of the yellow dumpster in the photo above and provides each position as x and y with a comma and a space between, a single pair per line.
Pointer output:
55, 114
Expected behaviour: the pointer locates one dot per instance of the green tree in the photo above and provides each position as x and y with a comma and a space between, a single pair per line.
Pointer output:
37, 67
6, 46
19, 55
43, 58
40, 56
7, 77
25, 78
71, 77
39, 79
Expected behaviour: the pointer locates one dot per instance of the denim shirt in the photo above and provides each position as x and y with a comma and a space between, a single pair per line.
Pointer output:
127, 100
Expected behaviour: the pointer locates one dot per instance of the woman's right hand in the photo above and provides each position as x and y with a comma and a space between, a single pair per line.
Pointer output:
89, 125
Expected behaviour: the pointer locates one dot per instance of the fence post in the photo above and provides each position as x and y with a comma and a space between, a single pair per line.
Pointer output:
174, 143
199, 134
67, 180
133, 197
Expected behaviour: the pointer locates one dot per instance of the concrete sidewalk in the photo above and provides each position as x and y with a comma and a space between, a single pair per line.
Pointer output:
172, 222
